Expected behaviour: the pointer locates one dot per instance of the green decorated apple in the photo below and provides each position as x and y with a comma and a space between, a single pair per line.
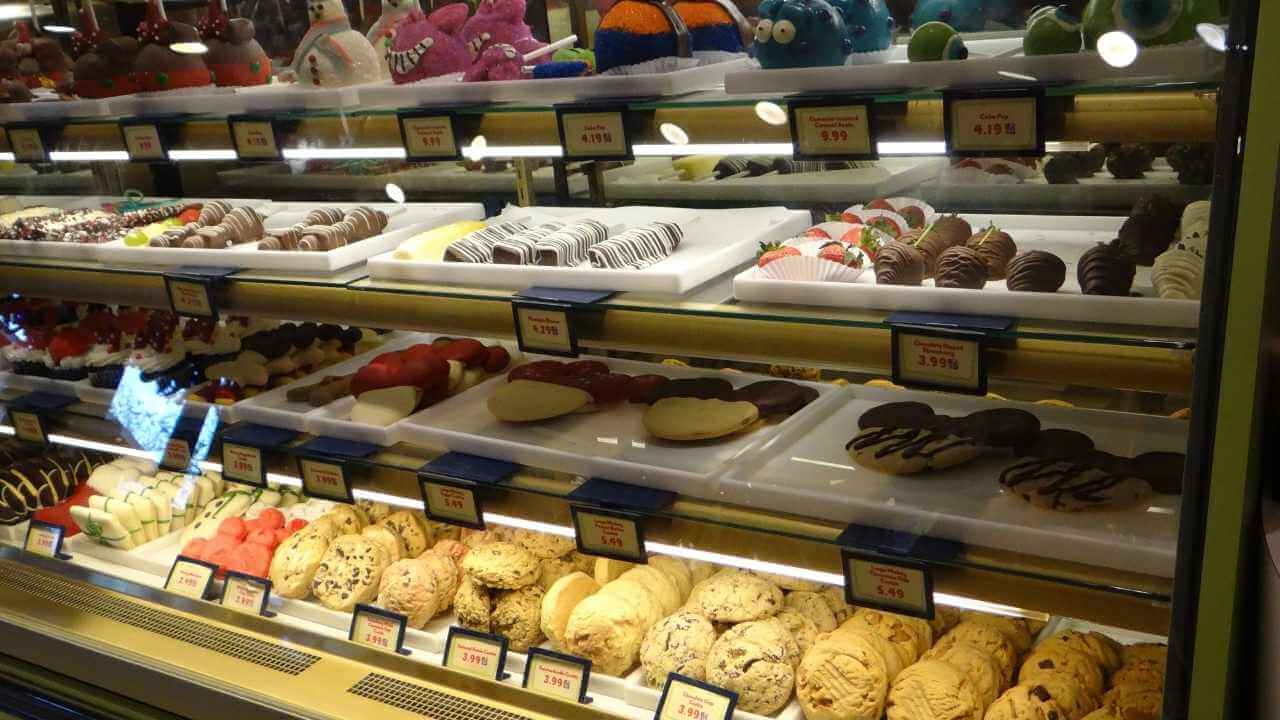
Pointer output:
1149, 22
1051, 31
936, 41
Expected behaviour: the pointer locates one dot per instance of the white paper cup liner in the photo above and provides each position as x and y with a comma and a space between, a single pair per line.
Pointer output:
859, 214
808, 267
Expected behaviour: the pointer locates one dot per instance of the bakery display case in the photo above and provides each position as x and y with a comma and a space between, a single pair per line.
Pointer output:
698, 359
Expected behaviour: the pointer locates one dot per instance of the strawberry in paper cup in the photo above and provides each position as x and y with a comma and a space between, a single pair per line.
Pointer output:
917, 213
887, 220
829, 261
832, 230
772, 252
867, 238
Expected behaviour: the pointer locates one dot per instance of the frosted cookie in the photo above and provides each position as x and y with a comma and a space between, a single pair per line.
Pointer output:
388, 539
1071, 486
477, 247
447, 576
1025, 702
516, 616
802, 629
843, 679
543, 545
981, 669
607, 631
679, 643
502, 565
560, 600
1015, 629
907, 451
473, 605
688, 419
294, 564
985, 638
637, 248
748, 661
736, 596
412, 529
531, 400
662, 587
349, 572
676, 571
932, 690
410, 588
1062, 661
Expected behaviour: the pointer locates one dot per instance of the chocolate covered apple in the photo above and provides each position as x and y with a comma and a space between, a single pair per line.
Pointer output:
104, 65
234, 56
158, 66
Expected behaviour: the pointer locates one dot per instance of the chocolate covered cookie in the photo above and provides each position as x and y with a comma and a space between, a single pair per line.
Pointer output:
907, 451
1055, 443
1163, 470
1071, 486
1001, 427
776, 397
701, 388
896, 414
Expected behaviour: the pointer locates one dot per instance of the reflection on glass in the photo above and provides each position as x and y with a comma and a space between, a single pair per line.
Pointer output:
150, 417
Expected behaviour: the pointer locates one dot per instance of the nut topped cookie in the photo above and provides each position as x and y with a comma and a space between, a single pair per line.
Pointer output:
473, 605
736, 596
501, 565
516, 615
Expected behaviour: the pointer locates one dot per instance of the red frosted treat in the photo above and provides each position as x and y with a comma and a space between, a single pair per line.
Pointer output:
296, 524
542, 370
467, 351
641, 385
273, 517
585, 368
196, 549
233, 527
610, 388
496, 358
265, 538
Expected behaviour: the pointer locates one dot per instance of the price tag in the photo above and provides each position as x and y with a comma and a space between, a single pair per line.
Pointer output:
901, 586
832, 129
246, 593
476, 653
45, 539
684, 698
28, 145
428, 136
143, 142
557, 675
608, 533
994, 123
325, 479
544, 328
379, 629
594, 132
243, 464
451, 501
177, 455
254, 138
28, 426
937, 359
190, 577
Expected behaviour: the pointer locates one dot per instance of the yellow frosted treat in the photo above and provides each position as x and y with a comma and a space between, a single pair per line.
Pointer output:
430, 245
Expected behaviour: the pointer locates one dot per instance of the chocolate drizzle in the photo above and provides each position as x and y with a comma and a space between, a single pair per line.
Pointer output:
1062, 480
909, 442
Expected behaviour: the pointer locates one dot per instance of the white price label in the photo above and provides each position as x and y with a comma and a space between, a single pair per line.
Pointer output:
428, 136
190, 297
254, 139
684, 700
939, 359
996, 124
242, 463
448, 502
324, 480
475, 655
27, 145
380, 630
189, 578
897, 587
545, 330
608, 534
835, 130
177, 455
246, 594
143, 142
44, 539
28, 426
594, 134
549, 675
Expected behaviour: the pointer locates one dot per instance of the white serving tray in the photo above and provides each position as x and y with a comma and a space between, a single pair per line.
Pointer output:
83, 390
454, 179
450, 90
54, 110
1192, 62
654, 179
1086, 196
207, 99
404, 221
155, 557
611, 443
292, 96
715, 241
808, 472
1068, 237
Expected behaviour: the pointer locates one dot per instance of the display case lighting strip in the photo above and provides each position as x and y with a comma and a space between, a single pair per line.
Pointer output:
8, 157
88, 156
362, 153
183, 155
668, 150
735, 561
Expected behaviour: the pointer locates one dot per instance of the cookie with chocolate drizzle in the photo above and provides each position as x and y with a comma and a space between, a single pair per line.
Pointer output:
1092, 482
904, 438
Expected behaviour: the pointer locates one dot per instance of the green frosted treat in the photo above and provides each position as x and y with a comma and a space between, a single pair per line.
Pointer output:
576, 55
1052, 31
1149, 22
936, 41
